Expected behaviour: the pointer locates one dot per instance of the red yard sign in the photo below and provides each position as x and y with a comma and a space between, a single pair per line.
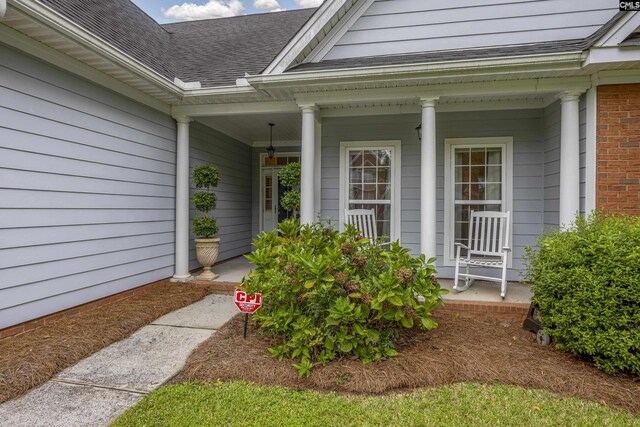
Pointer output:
247, 303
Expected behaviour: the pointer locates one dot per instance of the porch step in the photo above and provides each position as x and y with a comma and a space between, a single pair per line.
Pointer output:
501, 310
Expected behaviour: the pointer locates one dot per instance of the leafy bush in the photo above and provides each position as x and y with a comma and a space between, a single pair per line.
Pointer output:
290, 201
205, 177
290, 175
587, 282
328, 294
290, 178
205, 227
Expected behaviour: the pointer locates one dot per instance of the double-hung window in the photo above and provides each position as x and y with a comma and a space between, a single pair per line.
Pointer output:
478, 177
370, 179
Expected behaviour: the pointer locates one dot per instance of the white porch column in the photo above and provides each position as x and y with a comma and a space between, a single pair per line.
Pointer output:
182, 201
307, 161
569, 158
428, 178
317, 201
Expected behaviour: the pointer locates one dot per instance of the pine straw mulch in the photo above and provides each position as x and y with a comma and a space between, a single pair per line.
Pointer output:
478, 350
32, 358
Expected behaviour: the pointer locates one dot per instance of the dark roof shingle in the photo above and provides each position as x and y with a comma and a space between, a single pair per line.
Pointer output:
216, 52
123, 25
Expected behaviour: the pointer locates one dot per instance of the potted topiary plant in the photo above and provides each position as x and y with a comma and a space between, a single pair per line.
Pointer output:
290, 179
205, 177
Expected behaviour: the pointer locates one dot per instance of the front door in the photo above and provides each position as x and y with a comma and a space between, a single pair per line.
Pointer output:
272, 190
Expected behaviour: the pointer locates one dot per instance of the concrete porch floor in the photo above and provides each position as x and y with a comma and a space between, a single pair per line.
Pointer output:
234, 269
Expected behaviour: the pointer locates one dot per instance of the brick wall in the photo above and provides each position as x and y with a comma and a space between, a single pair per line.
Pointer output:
618, 149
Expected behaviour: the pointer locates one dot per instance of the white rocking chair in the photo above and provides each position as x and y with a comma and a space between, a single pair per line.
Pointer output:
364, 220
488, 247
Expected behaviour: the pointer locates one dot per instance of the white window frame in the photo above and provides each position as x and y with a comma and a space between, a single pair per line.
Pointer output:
450, 144
396, 156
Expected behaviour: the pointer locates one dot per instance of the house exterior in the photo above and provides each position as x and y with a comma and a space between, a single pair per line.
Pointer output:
531, 107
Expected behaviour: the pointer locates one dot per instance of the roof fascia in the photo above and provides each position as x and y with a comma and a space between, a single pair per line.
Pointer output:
319, 52
508, 87
620, 31
304, 36
68, 28
486, 66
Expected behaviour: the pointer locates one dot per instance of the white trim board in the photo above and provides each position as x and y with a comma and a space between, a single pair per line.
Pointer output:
340, 29
396, 185
506, 143
620, 31
590, 150
309, 31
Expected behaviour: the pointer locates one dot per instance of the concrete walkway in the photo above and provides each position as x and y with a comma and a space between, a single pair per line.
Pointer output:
101, 387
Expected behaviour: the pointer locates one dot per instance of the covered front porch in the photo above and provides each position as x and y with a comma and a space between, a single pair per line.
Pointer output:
519, 147
233, 270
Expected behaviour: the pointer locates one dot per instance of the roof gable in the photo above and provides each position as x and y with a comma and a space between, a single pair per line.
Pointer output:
411, 26
327, 16
623, 33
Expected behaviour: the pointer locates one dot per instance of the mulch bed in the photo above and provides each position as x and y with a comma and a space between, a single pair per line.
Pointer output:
32, 358
478, 350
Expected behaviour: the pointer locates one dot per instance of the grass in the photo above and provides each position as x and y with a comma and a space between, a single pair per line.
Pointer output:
243, 404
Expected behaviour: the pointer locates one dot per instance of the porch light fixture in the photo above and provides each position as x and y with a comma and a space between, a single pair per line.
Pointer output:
271, 150
419, 130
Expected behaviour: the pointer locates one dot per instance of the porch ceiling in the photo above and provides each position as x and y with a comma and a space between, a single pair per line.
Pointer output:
253, 129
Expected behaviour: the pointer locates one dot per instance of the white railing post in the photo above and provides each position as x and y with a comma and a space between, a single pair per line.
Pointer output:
307, 162
182, 201
428, 178
569, 158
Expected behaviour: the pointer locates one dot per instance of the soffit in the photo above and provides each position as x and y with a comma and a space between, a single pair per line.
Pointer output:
40, 32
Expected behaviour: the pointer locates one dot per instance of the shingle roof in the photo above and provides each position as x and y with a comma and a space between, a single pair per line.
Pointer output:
457, 55
216, 52
122, 24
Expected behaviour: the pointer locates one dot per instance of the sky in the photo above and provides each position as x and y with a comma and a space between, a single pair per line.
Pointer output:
165, 11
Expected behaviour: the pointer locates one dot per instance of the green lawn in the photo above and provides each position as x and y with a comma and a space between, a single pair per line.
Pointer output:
242, 404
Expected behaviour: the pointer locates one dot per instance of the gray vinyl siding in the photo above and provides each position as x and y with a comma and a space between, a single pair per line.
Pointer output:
551, 135
87, 191
412, 26
234, 192
528, 146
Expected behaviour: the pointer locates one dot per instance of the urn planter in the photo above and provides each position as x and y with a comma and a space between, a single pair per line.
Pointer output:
207, 253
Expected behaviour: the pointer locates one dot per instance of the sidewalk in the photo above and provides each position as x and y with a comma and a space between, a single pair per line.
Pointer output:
101, 387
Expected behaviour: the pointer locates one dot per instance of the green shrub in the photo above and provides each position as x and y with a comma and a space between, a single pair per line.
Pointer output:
205, 227
290, 179
205, 177
587, 282
328, 294
290, 175
290, 201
